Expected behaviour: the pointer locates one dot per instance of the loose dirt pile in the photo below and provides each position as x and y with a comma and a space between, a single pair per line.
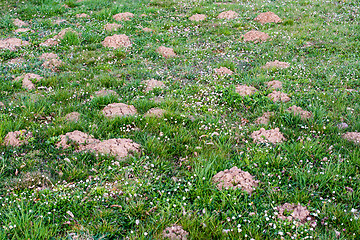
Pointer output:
26, 80
175, 232
112, 27
48, 56
197, 17
276, 64
268, 17
255, 36
123, 16
295, 212
265, 118
12, 43
235, 178
17, 22
228, 15
274, 84
77, 139
299, 111
276, 96
152, 84
118, 109
223, 71
352, 136
245, 90
52, 64
166, 52
155, 112
82, 15
117, 41
266, 136
104, 93
72, 117
17, 138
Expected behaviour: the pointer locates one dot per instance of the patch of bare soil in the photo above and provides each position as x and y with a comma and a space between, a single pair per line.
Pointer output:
268, 17
22, 30
352, 136
152, 84
223, 71
155, 112
255, 36
166, 52
104, 93
295, 212
265, 118
17, 22
299, 111
175, 232
274, 84
245, 90
77, 139
116, 41
49, 42
266, 136
197, 17
146, 29
82, 15
120, 147
17, 138
26, 80
123, 16
112, 26
118, 109
276, 64
276, 96
72, 117
228, 15
48, 56
52, 64
12, 43
235, 178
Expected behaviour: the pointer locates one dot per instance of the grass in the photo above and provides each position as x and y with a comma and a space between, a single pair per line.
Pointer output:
52, 193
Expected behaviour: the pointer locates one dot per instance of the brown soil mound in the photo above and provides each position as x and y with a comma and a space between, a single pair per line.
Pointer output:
72, 117
22, 30
274, 84
52, 63
77, 139
235, 178
223, 71
295, 212
123, 16
62, 33
166, 52
146, 29
48, 56
276, 96
116, 41
155, 112
17, 22
299, 111
118, 109
268, 17
12, 43
112, 26
104, 93
352, 136
17, 138
255, 36
175, 232
197, 17
265, 136
82, 15
245, 90
49, 42
152, 84
228, 15
276, 64
26, 80
265, 118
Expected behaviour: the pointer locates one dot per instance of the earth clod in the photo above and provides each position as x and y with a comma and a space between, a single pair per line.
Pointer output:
299, 111
277, 96
352, 137
12, 43
245, 90
166, 52
255, 36
17, 138
152, 84
274, 84
155, 112
295, 212
197, 17
26, 80
266, 136
126, 16
116, 41
223, 71
228, 15
72, 117
119, 109
175, 232
268, 17
265, 118
112, 27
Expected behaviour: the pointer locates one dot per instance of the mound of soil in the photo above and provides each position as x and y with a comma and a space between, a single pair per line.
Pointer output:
48, 56
152, 84
352, 136
76, 138
112, 26
299, 111
104, 93
295, 212
266, 136
255, 36
22, 30
235, 178
26, 80
276, 96
52, 63
175, 232
118, 109
123, 16
120, 147
265, 118
223, 71
276, 64
17, 22
228, 15
17, 138
72, 117
49, 42
268, 17
245, 90
82, 15
116, 41
12, 43
197, 17
274, 84
166, 52
155, 112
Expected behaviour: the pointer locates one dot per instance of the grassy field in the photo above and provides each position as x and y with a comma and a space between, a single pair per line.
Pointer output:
47, 192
